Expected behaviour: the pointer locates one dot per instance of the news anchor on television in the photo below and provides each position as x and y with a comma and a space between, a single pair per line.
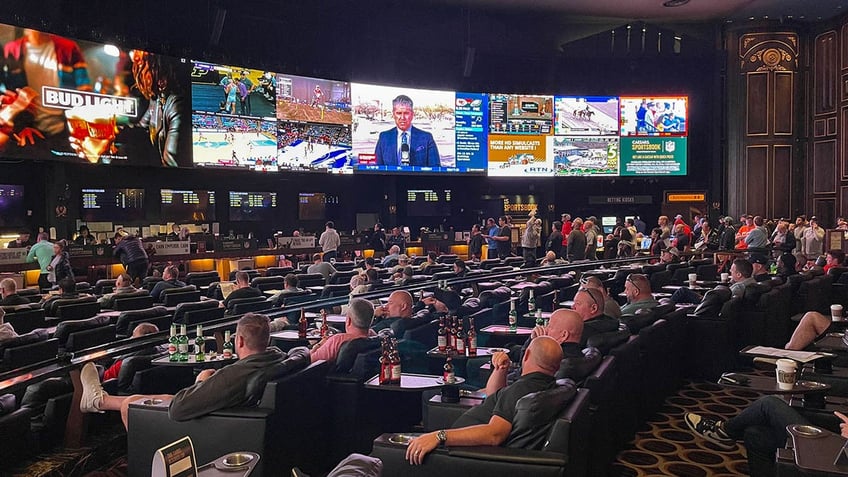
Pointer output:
406, 145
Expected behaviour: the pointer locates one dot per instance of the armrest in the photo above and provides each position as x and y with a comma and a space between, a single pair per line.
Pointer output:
508, 454
244, 412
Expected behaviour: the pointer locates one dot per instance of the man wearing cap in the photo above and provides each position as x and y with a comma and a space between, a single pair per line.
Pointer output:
812, 240
757, 237
759, 264
727, 237
670, 255
249, 86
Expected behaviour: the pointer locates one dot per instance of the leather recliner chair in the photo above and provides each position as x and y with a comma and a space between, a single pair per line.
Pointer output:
127, 320
282, 422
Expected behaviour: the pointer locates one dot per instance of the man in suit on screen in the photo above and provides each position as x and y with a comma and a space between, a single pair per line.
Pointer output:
406, 145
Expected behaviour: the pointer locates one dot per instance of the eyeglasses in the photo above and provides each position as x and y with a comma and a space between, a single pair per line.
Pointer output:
633, 282
586, 290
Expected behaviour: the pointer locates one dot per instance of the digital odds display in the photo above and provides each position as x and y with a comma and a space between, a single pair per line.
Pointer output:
94, 103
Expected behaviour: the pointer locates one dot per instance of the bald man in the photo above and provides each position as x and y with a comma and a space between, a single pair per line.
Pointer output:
589, 304
490, 423
396, 314
637, 289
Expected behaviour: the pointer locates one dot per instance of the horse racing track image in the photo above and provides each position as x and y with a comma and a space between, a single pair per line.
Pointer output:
595, 116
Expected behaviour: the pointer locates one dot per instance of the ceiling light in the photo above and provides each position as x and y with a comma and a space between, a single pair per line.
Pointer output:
675, 3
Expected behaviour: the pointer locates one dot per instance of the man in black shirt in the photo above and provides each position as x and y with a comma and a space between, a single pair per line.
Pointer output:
9, 293
21, 242
490, 423
503, 238
589, 303
242, 289
169, 280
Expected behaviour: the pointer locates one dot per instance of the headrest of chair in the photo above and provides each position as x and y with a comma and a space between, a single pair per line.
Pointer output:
145, 313
578, 368
33, 336
606, 342
469, 307
130, 366
350, 350
67, 327
535, 414
185, 289
713, 301
660, 310
7, 404
135, 294
636, 322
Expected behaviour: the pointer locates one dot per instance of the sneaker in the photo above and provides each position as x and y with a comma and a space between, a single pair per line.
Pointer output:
92, 391
710, 429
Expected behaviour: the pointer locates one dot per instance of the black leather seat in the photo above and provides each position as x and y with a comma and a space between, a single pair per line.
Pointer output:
193, 313
104, 285
447, 258
306, 280
341, 277
89, 338
202, 279
26, 320
278, 271
250, 306
65, 328
132, 301
14, 430
52, 307
128, 320
268, 283
276, 418
174, 298
31, 353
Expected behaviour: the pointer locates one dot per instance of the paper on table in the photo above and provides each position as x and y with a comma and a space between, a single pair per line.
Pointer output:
800, 356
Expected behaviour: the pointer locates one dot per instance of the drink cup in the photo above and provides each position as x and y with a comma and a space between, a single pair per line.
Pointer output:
786, 373
836, 312
693, 277
92, 129
725, 277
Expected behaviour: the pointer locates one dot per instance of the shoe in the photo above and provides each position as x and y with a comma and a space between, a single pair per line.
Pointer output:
92, 391
709, 429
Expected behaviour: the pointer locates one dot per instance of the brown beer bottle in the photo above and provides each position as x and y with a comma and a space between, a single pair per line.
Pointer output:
460, 338
443, 336
472, 338
302, 325
385, 365
394, 360
324, 326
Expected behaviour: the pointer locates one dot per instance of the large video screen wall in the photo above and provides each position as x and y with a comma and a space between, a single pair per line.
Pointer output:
87, 102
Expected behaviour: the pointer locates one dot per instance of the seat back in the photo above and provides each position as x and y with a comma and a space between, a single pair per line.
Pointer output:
339, 289
261, 305
132, 301
174, 299
707, 271
535, 415
278, 271
341, 277
447, 258
202, 279
660, 279
89, 338
306, 280
268, 283
24, 339
65, 328
78, 311
104, 285
25, 321
681, 275
251, 274
124, 324
17, 357
200, 315
349, 352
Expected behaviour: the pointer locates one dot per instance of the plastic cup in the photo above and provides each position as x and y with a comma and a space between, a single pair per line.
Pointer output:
786, 373
725, 277
836, 312
693, 277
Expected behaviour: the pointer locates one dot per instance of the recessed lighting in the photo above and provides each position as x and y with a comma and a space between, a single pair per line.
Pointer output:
675, 3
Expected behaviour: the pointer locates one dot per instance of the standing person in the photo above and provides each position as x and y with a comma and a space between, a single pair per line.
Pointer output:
396, 238
329, 241
378, 241
727, 238
591, 240
530, 239
813, 240
640, 225
475, 244
43, 252
84, 237
555, 240
60, 265
130, 250
249, 87
503, 238
576, 249
566, 229
491, 231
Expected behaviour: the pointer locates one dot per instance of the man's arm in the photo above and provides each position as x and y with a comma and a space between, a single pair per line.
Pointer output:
494, 433
500, 368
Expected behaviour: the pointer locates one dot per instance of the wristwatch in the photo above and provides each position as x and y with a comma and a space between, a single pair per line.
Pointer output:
442, 436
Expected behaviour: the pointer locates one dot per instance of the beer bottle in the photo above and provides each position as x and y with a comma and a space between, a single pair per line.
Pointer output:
513, 316
451, 334
228, 346
182, 343
199, 345
449, 375
531, 302
325, 327
472, 338
302, 324
385, 364
460, 338
173, 344
539, 320
443, 337
394, 360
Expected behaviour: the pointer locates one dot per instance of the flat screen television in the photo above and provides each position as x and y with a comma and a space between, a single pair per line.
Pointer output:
428, 202
408, 130
311, 206
112, 205
654, 116
92, 111
13, 211
252, 206
188, 206
520, 128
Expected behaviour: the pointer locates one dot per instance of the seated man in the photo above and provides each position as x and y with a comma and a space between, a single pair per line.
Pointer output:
404, 276
290, 287
490, 423
637, 289
213, 389
403, 262
670, 255
169, 280
9, 293
396, 314
394, 253
431, 261
740, 278
589, 304
357, 325
68, 288
759, 266
241, 289
142, 329
762, 427
611, 307
442, 301
123, 284
566, 328
326, 269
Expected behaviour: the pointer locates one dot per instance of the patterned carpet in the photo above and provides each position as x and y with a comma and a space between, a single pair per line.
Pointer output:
665, 446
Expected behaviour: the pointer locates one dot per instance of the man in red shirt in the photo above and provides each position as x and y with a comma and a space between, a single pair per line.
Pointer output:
360, 313
566, 228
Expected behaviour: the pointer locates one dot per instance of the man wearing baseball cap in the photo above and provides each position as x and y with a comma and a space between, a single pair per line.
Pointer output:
760, 263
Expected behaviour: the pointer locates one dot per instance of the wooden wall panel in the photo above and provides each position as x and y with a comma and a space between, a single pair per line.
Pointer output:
843, 200
824, 167
825, 211
782, 185
825, 69
756, 185
844, 46
784, 98
843, 141
758, 89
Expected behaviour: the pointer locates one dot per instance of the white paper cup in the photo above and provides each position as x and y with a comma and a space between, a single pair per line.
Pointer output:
786, 373
725, 277
836, 312
693, 277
